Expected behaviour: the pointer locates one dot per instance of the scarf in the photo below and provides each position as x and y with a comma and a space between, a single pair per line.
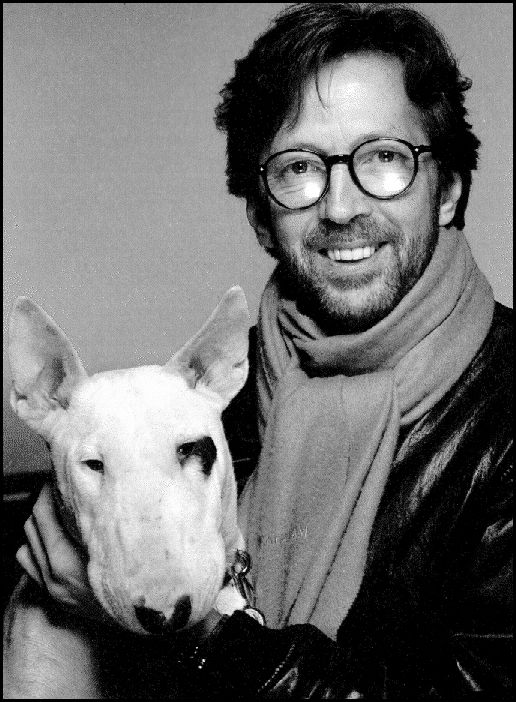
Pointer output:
330, 411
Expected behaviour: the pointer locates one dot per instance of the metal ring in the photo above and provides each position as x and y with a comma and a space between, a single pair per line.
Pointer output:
243, 562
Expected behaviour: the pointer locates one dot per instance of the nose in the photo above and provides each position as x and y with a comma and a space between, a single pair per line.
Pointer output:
343, 200
155, 622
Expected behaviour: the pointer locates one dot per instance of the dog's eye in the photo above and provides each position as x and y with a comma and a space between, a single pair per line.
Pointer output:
203, 449
184, 451
95, 465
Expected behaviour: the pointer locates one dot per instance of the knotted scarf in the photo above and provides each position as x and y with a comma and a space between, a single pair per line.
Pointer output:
331, 408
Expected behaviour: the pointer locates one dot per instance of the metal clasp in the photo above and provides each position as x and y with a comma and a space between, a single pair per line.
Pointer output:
238, 571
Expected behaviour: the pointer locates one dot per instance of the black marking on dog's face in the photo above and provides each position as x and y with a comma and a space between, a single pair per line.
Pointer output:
203, 449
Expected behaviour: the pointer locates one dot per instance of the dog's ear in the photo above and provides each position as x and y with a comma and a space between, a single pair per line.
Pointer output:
216, 357
45, 367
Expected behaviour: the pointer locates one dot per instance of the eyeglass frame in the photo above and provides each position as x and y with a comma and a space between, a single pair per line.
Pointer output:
330, 161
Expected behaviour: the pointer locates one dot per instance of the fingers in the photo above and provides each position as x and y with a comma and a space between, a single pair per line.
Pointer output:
36, 547
25, 559
56, 562
60, 555
51, 557
47, 519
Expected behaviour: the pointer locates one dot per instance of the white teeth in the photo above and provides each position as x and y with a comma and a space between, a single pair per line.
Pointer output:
350, 254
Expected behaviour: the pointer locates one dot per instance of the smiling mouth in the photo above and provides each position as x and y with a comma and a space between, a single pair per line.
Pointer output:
359, 253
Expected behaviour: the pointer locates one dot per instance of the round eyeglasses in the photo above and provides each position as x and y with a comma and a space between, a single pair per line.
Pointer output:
382, 168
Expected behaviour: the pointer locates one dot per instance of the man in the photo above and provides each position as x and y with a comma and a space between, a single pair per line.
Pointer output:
378, 516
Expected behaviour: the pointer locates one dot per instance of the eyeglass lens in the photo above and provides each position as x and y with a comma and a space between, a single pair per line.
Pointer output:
384, 168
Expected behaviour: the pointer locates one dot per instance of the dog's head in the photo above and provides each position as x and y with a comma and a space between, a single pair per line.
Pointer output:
142, 469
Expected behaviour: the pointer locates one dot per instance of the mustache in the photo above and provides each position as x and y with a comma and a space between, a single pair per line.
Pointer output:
332, 235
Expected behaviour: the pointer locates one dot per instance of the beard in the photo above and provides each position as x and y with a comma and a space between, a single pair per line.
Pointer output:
328, 300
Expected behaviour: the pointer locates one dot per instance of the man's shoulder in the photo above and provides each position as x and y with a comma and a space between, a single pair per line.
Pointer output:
494, 360
485, 388
474, 419
503, 324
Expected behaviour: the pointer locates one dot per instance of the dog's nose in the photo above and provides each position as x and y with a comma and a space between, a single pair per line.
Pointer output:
155, 622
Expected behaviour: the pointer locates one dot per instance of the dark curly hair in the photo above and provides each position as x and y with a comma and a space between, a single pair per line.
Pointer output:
268, 83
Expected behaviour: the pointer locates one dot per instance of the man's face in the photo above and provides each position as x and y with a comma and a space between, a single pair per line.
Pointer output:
360, 97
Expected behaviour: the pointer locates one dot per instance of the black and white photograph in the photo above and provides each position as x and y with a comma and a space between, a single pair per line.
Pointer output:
258, 351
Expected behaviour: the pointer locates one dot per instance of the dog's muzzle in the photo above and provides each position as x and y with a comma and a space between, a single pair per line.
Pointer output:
156, 622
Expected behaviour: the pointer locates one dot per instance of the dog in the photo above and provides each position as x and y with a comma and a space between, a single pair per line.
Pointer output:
143, 481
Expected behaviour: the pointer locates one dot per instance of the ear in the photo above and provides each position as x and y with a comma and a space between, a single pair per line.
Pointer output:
259, 221
449, 198
216, 357
44, 365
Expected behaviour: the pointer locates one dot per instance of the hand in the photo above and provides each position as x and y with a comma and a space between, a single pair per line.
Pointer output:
55, 562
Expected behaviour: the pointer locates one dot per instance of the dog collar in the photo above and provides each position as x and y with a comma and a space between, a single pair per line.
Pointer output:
237, 574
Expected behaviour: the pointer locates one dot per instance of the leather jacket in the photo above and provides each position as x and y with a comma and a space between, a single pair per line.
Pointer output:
433, 617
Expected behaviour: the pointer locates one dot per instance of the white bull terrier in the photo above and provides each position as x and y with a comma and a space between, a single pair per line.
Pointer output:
143, 474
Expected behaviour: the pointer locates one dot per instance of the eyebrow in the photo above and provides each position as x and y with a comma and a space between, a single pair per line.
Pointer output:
311, 146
